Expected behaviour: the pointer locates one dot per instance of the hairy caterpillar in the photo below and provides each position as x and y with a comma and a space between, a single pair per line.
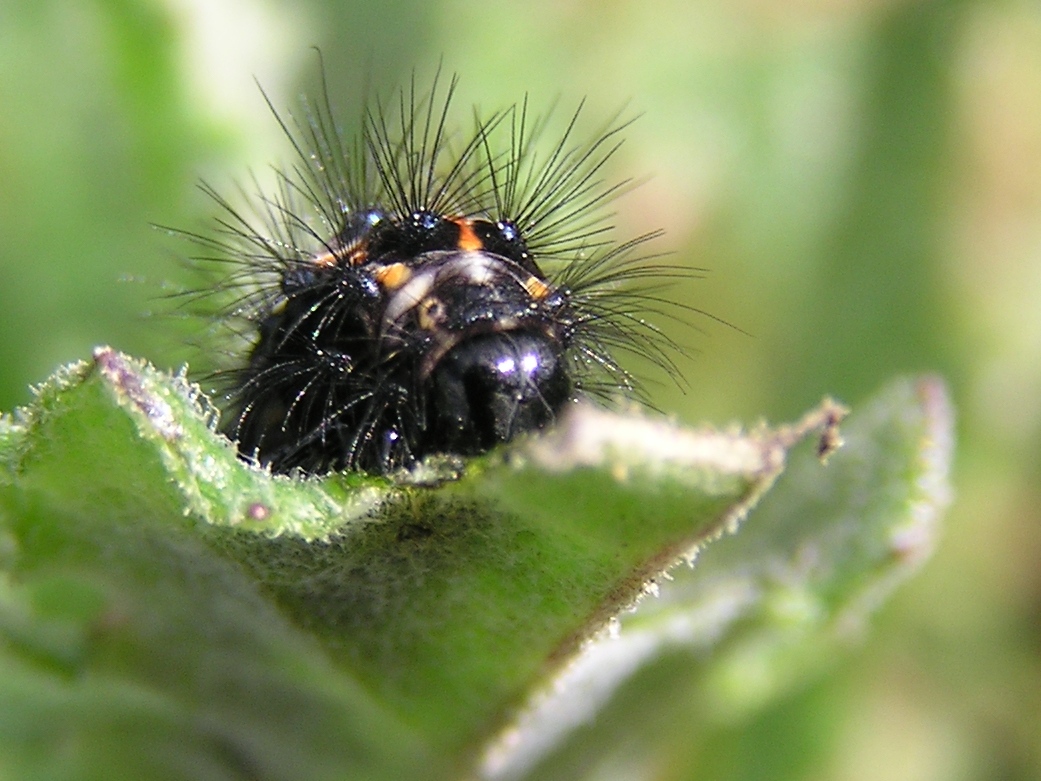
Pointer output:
417, 288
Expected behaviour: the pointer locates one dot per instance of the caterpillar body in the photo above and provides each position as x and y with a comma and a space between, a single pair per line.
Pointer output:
416, 289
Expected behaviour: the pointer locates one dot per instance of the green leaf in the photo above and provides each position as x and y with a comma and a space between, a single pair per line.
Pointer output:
282, 627
762, 610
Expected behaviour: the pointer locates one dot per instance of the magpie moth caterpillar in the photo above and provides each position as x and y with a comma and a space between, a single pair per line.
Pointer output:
427, 285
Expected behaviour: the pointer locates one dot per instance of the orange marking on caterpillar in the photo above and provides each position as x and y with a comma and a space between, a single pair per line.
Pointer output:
536, 288
393, 276
468, 240
325, 259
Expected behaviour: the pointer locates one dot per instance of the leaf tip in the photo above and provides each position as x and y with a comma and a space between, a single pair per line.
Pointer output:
125, 376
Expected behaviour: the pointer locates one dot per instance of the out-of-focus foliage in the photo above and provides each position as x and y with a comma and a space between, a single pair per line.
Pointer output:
863, 179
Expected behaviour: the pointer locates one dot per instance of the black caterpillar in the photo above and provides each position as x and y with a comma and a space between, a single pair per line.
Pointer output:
416, 289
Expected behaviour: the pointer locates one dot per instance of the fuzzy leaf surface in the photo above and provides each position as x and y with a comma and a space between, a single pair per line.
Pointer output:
761, 612
287, 628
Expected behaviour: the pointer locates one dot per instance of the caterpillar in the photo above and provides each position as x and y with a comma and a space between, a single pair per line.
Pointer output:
424, 286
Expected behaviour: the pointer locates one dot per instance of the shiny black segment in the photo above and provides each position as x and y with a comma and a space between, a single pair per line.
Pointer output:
504, 238
402, 240
491, 388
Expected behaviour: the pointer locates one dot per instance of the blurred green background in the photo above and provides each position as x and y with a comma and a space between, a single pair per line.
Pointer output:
862, 178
